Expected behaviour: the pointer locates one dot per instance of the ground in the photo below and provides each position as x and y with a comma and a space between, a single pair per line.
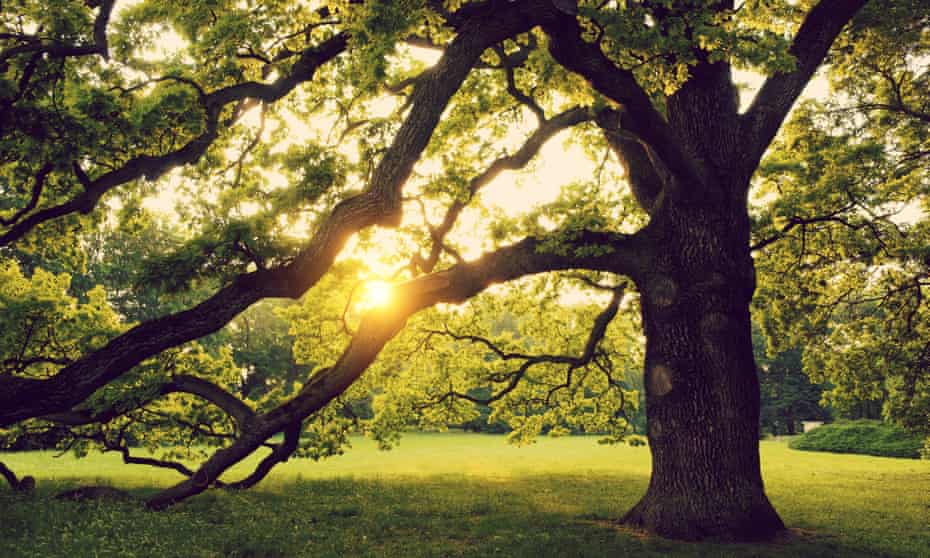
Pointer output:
459, 495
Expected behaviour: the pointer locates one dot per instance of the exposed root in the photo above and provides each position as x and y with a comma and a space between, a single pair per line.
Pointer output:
25, 484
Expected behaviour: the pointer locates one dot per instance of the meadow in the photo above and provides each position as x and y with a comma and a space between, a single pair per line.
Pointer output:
457, 495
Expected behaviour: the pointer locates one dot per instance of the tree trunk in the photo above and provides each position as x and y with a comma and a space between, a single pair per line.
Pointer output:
702, 391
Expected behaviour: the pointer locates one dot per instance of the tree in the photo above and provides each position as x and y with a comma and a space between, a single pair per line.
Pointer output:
851, 176
90, 117
787, 395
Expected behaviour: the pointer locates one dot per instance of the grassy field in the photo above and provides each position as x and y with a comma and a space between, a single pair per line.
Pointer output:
458, 495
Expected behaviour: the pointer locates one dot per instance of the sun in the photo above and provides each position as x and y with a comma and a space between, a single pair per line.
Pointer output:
376, 294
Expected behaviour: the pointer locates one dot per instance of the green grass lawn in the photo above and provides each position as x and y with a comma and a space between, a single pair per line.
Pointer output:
458, 495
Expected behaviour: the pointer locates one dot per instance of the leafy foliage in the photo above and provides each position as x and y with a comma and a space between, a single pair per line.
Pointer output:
848, 187
45, 327
170, 171
863, 436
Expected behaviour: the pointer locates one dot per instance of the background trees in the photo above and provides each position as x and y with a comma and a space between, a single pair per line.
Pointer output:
306, 151
851, 180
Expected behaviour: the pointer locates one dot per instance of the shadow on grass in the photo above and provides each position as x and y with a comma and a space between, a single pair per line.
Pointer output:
533, 516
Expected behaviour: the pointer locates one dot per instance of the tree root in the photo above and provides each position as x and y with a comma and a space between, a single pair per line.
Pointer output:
25, 484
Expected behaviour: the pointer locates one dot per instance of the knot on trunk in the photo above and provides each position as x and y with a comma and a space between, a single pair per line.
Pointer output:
663, 292
660, 380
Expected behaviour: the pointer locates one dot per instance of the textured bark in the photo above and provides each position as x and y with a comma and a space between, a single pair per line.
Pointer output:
702, 393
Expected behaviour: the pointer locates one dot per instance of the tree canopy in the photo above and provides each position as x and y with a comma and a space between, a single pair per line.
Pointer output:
171, 174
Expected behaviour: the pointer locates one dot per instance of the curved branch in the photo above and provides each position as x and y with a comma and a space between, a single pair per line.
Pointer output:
595, 336
380, 203
181, 383
151, 167
779, 92
570, 50
10, 476
514, 91
55, 49
130, 459
37, 185
836, 216
639, 162
519, 159
281, 453
617, 253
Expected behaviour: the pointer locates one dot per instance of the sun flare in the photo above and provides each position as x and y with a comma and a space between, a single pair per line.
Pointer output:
376, 294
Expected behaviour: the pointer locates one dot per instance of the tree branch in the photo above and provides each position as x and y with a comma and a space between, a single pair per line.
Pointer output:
182, 383
10, 476
514, 91
618, 253
640, 163
37, 185
639, 116
519, 159
380, 203
513, 379
779, 92
151, 167
281, 453
55, 49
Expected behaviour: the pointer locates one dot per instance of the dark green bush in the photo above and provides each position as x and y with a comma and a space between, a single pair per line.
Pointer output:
867, 437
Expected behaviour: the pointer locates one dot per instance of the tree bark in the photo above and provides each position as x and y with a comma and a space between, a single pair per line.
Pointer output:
702, 391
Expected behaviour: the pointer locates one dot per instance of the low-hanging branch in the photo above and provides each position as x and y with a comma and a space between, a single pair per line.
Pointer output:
513, 378
120, 446
380, 203
617, 253
279, 454
181, 383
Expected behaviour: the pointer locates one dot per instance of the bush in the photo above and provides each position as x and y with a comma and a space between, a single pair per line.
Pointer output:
867, 437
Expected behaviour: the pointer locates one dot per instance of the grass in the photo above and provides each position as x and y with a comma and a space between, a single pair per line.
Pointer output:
459, 495
866, 437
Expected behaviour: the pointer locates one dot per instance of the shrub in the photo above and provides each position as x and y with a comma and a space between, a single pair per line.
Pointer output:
867, 437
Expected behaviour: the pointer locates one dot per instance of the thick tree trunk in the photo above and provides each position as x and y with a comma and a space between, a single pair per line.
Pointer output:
702, 392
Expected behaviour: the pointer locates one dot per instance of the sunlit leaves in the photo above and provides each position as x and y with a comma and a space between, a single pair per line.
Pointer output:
482, 351
44, 327
849, 279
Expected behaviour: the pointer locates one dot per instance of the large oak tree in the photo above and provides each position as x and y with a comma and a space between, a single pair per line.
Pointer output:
92, 114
